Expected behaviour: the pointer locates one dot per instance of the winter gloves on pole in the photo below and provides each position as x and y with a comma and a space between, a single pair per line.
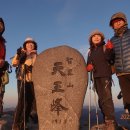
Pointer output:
89, 67
109, 45
19, 50
23, 58
22, 55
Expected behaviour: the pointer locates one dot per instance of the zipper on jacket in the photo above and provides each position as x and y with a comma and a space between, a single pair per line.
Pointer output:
121, 46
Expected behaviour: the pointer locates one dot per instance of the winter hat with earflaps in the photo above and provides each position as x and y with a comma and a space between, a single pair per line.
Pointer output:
29, 39
118, 15
94, 33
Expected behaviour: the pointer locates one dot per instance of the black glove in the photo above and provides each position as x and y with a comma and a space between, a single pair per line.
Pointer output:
119, 95
19, 51
22, 58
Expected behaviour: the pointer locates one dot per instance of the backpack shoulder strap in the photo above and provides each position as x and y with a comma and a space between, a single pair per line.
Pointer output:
89, 52
104, 48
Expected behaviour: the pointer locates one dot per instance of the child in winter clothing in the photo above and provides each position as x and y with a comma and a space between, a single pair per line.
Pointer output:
100, 58
24, 61
121, 41
2, 62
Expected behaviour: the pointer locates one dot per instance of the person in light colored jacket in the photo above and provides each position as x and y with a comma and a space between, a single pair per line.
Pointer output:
24, 61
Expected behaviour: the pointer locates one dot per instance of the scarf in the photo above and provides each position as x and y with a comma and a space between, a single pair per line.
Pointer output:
120, 31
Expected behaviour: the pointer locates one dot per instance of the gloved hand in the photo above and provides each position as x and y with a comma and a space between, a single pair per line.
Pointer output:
109, 45
1, 63
90, 67
119, 95
19, 50
22, 57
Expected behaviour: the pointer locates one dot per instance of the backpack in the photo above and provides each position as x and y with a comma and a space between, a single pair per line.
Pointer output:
5, 70
5, 78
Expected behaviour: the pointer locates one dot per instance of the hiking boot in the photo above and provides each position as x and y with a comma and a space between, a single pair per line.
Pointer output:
111, 125
26, 128
15, 127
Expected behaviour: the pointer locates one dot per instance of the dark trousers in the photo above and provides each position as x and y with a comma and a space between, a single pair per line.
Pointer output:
19, 83
25, 103
103, 88
124, 82
1, 97
1, 102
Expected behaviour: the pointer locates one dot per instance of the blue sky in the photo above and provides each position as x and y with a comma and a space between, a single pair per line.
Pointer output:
56, 22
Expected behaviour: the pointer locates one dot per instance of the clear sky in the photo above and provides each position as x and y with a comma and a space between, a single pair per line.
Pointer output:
56, 22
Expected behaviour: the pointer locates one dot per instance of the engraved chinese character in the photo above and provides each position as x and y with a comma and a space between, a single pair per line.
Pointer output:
70, 72
56, 121
69, 60
70, 85
58, 68
57, 87
56, 106
65, 121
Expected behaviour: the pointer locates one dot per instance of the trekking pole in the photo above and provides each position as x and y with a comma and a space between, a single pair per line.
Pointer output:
24, 71
95, 99
96, 109
90, 73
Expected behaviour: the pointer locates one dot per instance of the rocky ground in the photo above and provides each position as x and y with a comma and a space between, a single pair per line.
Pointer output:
7, 120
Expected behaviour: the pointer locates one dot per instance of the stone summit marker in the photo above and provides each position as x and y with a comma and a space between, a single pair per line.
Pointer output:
60, 83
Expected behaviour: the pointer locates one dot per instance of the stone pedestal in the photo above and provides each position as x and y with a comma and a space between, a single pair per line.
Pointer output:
60, 83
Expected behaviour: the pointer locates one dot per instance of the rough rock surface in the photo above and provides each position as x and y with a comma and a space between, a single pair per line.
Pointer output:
60, 83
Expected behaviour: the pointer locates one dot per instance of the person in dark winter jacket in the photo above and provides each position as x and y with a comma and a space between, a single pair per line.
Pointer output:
100, 59
2, 62
121, 41
24, 61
